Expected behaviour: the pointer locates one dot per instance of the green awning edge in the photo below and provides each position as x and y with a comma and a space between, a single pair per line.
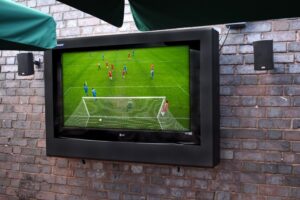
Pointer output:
110, 11
151, 15
23, 28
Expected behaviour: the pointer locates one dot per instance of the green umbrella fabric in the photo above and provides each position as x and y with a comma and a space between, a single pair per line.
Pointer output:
156, 15
165, 14
111, 11
23, 28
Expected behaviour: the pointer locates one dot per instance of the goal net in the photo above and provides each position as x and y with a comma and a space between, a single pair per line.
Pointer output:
123, 113
118, 112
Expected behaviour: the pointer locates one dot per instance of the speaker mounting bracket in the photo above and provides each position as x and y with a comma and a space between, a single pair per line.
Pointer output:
37, 63
238, 25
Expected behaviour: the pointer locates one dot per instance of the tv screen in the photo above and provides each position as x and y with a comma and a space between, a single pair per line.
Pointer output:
138, 88
145, 97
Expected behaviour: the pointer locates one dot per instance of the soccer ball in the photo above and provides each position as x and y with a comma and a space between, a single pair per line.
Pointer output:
100, 120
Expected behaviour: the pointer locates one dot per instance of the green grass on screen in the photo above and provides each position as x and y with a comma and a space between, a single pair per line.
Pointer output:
144, 95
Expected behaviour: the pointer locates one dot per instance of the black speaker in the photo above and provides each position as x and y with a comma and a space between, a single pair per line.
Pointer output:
263, 55
25, 64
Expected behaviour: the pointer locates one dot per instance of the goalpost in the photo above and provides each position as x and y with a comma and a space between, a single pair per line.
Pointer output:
138, 111
123, 112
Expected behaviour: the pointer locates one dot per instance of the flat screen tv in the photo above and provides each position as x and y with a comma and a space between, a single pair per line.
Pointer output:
145, 97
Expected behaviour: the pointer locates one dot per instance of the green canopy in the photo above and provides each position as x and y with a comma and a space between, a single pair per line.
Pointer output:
111, 11
165, 14
23, 28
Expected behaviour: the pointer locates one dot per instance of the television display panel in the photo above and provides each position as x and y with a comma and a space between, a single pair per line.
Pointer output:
138, 88
144, 97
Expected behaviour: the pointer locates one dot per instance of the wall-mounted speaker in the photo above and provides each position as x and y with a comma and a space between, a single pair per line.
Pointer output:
25, 64
263, 55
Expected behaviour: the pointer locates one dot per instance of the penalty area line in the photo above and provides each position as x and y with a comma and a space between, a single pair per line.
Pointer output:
117, 117
185, 92
141, 97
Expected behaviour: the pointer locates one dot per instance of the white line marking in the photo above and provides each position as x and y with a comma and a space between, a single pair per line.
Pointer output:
123, 97
137, 86
67, 90
162, 103
133, 86
123, 117
183, 90
130, 86
127, 61
86, 107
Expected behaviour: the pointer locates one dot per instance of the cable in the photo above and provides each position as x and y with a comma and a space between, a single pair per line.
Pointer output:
224, 39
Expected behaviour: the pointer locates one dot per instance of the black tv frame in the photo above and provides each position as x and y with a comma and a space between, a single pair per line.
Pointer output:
206, 153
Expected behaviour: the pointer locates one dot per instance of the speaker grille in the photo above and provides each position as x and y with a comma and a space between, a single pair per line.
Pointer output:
263, 55
25, 64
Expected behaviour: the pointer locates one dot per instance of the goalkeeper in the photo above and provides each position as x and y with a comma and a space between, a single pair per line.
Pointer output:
129, 105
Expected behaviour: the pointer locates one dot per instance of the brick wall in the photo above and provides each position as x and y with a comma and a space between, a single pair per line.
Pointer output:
260, 117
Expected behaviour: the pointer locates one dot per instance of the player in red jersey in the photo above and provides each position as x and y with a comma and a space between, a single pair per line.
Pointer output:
110, 75
112, 67
165, 108
123, 73
106, 63
129, 55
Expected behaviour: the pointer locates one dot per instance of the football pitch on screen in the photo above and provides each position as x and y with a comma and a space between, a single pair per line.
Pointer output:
132, 97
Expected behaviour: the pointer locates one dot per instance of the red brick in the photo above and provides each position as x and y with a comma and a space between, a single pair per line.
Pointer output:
62, 171
204, 195
224, 186
248, 122
238, 196
292, 136
277, 145
64, 189
123, 187
202, 174
293, 181
30, 168
249, 112
37, 100
274, 101
274, 90
274, 190
229, 101
273, 156
81, 182
41, 143
274, 123
249, 155
178, 182
201, 184
252, 178
274, 179
250, 90
45, 195
296, 147
272, 79
157, 180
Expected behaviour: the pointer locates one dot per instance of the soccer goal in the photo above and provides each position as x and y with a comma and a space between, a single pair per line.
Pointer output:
124, 112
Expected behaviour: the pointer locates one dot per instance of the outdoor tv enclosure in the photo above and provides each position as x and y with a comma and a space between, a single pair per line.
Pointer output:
195, 145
